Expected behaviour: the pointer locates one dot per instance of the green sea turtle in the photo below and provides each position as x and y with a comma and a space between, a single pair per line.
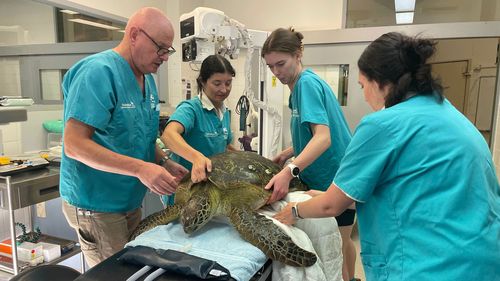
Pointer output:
235, 188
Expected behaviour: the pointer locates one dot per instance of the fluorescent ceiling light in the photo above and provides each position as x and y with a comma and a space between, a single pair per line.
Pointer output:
69, 12
404, 5
87, 22
404, 18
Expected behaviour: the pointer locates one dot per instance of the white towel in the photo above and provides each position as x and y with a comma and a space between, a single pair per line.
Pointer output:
16, 101
320, 236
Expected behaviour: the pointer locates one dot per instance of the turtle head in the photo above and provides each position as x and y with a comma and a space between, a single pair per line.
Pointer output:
196, 213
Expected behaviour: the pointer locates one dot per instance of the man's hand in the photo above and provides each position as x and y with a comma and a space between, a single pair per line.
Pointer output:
157, 178
175, 169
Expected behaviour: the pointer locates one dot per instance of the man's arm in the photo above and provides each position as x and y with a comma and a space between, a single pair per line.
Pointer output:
78, 144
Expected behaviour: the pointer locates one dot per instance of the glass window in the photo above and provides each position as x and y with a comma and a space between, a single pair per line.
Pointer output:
362, 13
24, 22
50, 84
336, 76
77, 27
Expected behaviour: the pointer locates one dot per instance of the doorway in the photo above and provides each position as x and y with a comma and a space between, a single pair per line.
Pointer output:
468, 72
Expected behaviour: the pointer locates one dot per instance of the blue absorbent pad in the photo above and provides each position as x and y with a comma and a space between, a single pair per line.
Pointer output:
216, 241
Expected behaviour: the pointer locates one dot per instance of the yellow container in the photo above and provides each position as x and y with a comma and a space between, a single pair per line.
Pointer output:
4, 160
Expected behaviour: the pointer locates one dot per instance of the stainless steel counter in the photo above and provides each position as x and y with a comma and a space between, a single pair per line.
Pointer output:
29, 188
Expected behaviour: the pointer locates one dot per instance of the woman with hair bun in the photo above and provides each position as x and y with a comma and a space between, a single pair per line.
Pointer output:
421, 175
200, 127
320, 134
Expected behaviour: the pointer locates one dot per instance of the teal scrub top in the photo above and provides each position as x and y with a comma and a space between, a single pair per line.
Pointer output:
101, 91
203, 130
428, 198
312, 102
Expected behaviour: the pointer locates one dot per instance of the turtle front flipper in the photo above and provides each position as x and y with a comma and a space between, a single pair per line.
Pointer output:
272, 240
162, 217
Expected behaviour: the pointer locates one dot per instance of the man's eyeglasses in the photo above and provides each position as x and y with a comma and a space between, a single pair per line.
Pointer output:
161, 50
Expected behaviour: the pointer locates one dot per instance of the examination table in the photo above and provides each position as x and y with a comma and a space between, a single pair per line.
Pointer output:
218, 241
114, 269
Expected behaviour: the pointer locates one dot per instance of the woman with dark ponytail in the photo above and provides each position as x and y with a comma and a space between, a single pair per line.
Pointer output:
421, 175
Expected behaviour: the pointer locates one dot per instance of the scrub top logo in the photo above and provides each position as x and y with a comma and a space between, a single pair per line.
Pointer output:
152, 101
295, 112
225, 132
130, 105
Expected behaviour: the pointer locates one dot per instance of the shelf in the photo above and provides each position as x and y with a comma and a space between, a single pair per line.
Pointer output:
22, 190
75, 251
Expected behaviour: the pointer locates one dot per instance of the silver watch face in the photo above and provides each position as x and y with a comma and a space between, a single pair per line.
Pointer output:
294, 212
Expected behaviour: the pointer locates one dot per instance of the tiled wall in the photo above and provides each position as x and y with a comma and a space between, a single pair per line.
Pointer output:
10, 86
9, 77
11, 138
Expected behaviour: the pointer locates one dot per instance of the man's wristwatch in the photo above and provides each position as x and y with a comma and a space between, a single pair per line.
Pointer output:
163, 160
295, 211
294, 170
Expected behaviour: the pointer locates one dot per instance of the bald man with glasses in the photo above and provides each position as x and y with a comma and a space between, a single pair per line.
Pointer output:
110, 157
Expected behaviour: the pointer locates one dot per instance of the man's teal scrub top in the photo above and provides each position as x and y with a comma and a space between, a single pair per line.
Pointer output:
428, 199
312, 102
101, 91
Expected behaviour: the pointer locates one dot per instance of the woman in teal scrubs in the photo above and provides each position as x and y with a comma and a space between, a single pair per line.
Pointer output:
200, 127
320, 134
421, 174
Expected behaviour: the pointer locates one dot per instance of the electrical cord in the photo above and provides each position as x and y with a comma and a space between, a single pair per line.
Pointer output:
242, 109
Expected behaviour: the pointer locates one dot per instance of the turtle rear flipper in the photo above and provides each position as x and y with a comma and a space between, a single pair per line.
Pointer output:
272, 240
162, 217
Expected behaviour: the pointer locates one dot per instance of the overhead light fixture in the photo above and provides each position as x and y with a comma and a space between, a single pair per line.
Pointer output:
69, 12
404, 5
96, 24
405, 10
404, 18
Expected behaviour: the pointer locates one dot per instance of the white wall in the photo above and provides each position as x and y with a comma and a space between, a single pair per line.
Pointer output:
269, 15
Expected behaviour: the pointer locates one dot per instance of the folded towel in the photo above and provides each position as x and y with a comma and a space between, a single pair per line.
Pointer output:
15, 101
